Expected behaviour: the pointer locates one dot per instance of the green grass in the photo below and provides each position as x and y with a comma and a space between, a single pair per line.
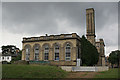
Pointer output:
84, 74
112, 73
32, 71
45, 71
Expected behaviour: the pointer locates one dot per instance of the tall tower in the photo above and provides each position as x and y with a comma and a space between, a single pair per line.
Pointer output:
90, 24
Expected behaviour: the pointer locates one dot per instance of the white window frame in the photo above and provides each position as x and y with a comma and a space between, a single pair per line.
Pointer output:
46, 51
66, 51
27, 54
36, 47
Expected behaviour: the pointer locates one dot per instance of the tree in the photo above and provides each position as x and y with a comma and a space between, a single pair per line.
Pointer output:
13, 51
114, 57
18, 57
89, 53
10, 49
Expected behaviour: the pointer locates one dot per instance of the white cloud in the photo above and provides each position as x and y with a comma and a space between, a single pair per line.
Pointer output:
11, 39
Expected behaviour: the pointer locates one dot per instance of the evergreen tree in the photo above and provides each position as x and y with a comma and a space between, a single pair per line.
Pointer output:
89, 53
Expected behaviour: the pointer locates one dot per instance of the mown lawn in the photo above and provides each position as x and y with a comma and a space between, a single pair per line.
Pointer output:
32, 71
111, 73
46, 71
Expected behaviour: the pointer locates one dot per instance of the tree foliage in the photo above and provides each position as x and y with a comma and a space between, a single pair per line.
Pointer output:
114, 57
89, 53
10, 49
18, 57
13, 51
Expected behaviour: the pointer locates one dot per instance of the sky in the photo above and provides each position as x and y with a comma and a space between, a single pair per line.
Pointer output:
34, 19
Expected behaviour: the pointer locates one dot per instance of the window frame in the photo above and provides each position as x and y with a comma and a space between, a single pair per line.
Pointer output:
69, 52
56, 52
46, 51
27, 58
36, 54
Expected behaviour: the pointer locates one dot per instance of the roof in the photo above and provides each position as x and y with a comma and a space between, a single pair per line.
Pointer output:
52, 37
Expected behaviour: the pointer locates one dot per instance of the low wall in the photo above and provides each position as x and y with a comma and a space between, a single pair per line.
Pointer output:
102, 68
66, 68
85, 68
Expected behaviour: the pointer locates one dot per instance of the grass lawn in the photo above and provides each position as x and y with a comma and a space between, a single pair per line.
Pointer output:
32, 71
112, 73
46, 71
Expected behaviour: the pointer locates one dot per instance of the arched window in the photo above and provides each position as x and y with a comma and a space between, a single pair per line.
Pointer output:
27, 53
56, 50
67, 52
46, 52
36, 52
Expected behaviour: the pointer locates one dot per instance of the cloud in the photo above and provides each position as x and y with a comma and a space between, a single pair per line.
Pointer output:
109, 34
0, 23
42, 16
119, 25
39, 18
109, 49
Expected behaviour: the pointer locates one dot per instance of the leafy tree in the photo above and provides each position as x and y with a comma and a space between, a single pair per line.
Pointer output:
10, 49
18, 57
114, 57
13, 51
89, 53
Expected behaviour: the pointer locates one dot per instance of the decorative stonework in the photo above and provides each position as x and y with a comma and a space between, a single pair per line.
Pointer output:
72, 39
63, 39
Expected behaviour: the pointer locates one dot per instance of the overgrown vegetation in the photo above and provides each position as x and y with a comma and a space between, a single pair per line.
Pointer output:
32, 71
89, 53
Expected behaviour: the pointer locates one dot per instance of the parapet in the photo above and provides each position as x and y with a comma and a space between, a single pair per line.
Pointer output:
52, 37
